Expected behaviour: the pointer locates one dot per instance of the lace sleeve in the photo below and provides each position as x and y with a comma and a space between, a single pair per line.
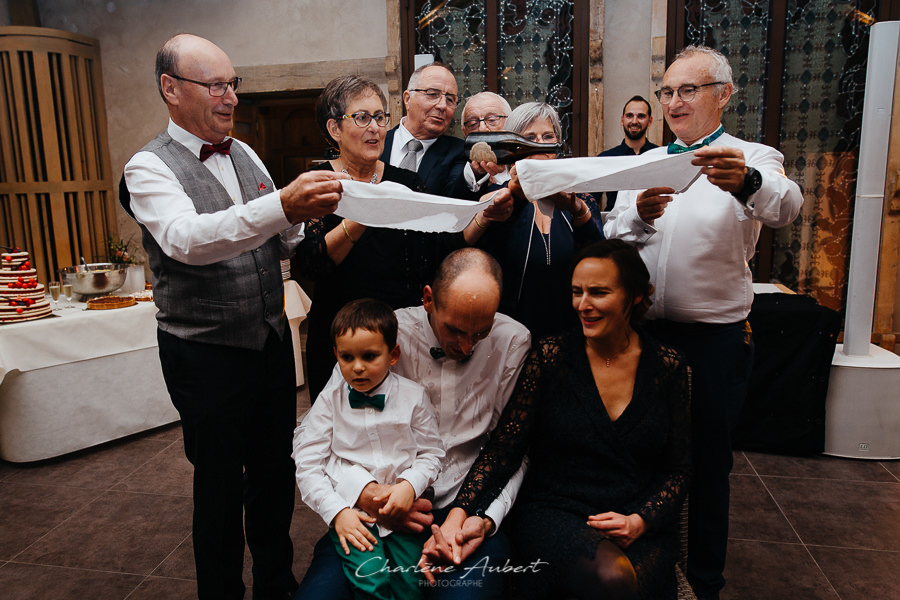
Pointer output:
312, 253
662, 504
502, 455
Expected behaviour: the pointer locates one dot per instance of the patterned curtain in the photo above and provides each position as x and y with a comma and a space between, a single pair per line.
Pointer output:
533, 49
823, 80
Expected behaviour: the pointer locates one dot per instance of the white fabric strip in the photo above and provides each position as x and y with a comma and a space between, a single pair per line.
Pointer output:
395, 206
542, 178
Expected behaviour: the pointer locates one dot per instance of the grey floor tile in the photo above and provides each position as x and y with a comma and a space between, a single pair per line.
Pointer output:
120, 531
306, 529
860, 574
160, 588
7, 469
893, 466
33, 582
741, 464
178, 564
823, 467
754, 515
169, 433
849, 514
97, 468
773, 571
168, 472
28, 512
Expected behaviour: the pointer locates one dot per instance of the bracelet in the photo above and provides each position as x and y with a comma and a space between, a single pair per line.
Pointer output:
477, 222
582, 213
347, 233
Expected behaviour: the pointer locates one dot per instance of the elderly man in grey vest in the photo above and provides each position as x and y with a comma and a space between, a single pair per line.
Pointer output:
214, 227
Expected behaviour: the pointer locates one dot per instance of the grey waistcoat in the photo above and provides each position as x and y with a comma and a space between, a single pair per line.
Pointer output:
232, 302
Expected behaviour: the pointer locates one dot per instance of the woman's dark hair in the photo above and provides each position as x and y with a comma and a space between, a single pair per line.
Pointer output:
332, 102
633, 273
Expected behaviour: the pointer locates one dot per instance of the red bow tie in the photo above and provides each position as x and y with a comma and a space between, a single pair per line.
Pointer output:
207, 150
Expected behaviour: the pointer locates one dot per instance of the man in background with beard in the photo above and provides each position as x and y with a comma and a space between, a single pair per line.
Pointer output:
636, 119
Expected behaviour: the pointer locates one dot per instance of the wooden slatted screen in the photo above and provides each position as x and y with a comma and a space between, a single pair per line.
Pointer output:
56, 188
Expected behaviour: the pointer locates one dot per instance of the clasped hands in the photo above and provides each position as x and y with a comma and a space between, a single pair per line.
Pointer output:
395, 506
723, 167
450, 544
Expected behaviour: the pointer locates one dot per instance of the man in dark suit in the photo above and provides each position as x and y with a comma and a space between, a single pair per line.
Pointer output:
214, 227
419, 142
636, 119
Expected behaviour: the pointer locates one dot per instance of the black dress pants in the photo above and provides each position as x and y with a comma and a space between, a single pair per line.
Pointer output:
238, 412
721, 359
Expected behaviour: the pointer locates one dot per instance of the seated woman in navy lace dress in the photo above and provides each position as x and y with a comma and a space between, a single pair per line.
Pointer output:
603, 413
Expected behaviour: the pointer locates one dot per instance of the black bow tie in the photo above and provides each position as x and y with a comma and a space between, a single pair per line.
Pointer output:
207, 150
437, 353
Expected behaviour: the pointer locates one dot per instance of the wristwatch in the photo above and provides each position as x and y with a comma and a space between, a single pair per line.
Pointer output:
752, 183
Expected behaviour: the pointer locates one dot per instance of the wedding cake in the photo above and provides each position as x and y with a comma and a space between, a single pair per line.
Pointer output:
21, 296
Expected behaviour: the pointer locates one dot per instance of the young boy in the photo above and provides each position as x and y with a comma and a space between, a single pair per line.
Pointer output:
372, 419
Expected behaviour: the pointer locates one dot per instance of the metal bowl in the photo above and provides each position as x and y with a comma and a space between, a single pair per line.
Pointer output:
94, 278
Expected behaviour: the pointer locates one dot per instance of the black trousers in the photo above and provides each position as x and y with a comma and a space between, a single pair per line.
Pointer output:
721, 359
238, 412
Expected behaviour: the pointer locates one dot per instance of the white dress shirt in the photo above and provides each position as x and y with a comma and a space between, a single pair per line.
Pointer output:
160, 203
335, 442
697, 251
398, 149
468, 397
475, 184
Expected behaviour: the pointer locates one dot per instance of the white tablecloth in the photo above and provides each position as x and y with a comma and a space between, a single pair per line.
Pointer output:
75, 334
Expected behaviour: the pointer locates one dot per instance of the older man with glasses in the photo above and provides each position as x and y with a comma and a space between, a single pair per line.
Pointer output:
419, 142
214, 227
696, 246
485, 111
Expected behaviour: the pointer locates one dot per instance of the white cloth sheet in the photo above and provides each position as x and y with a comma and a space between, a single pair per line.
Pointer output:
395, 206
542, 178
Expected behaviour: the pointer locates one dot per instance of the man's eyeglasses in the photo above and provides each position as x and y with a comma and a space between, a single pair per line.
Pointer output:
217, 89
491, 121
362, 118
434, 96
685, 92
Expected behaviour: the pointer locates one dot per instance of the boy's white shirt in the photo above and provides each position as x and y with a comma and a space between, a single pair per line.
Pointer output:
335, 441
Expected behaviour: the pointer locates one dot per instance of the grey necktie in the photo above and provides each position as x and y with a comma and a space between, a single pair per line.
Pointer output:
412, 148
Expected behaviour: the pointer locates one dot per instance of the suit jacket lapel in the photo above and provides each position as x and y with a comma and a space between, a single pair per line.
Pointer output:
388, 146
433, 155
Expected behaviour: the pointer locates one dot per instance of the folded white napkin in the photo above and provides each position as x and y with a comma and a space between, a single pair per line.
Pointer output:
395, 206
542, 178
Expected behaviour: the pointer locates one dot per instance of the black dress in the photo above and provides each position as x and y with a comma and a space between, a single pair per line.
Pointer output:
387, 264
582, 463
536, 289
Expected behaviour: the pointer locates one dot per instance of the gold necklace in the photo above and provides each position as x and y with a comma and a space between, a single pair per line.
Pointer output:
617, 354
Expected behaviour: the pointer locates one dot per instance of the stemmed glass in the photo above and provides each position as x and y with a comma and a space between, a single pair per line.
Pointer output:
53, 287
68, 293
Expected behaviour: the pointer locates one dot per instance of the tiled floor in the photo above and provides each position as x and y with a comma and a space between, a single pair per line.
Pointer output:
114, 522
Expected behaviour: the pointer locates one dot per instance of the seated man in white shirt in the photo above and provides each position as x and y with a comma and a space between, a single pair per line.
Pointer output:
468, 358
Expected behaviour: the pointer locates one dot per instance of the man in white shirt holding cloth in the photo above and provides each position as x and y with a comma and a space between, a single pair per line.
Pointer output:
468, 357
696, 246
